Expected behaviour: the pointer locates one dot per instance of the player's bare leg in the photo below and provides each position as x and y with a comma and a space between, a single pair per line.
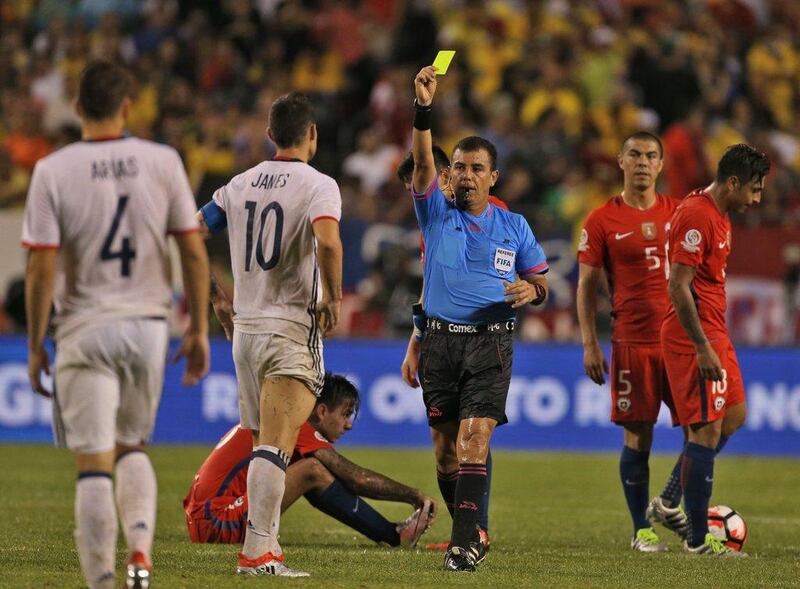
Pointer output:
304, 476
136, 493
634, 470
285, 405
96, 518
472, 448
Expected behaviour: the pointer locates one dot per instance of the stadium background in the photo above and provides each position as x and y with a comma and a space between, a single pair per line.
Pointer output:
555, 84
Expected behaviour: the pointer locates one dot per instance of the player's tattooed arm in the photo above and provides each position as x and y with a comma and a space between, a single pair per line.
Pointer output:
680, 279
365, 482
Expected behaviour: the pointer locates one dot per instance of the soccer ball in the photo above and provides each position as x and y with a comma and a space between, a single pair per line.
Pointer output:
727, 525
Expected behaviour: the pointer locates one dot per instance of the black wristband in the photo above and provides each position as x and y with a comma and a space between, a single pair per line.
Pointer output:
423, 115
541, 294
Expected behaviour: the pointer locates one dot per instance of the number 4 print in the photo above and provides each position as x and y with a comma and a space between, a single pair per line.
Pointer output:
125, 253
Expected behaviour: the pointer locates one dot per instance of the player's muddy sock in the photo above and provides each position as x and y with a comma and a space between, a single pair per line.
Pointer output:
697, 478
266, 482
96, 527
469, 493
672, 492
447, 486
135, 487
483, 515
634, 472
340, 503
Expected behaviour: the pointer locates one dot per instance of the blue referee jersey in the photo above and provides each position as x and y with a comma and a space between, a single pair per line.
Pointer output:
469, 257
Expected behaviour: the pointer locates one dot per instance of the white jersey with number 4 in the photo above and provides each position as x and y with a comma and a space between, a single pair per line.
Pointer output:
270, 209
108, 206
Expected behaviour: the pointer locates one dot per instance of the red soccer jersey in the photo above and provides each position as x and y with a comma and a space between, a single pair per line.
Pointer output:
700, 237
630, 245
492, 200
224, 472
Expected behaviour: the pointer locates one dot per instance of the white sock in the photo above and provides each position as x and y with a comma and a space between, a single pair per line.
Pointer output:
136, 499
96, 530
266, 482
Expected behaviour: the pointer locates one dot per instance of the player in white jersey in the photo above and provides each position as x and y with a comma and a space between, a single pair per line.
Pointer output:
96, 223
283, 225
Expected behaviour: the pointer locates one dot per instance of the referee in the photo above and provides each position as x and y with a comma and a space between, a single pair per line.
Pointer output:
482, 263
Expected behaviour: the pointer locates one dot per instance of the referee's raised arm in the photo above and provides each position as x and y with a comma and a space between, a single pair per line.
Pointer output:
421, 140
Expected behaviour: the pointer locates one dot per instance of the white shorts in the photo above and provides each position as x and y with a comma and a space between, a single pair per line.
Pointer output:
108, 384
257, 356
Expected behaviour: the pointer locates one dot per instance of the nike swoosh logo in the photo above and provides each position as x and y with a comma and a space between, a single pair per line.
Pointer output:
709, 479
632, 483
722, 244
623, 235
356, 507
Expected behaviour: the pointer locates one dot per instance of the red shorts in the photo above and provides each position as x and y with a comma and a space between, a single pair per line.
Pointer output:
221, 520
638, 383
703, 401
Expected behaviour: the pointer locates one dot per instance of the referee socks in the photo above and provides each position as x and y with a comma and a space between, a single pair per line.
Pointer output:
470, 489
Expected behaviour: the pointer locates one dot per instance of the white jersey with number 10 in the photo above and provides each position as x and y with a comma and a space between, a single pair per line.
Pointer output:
270, 209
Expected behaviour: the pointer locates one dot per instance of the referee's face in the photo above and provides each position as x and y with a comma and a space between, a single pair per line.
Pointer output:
472, 171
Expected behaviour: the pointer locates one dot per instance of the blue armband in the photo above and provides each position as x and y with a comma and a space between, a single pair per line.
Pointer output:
215, 218
419, 321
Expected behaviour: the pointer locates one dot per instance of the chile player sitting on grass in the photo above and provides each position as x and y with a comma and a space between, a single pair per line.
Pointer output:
216, 505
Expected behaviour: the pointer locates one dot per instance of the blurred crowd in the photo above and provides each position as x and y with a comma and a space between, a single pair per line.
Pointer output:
555, 84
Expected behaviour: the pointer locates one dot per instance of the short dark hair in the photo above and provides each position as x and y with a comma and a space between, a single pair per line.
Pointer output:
289, 118
406, 168
337, 390
646, 136
474, 143
744, 162
103, 87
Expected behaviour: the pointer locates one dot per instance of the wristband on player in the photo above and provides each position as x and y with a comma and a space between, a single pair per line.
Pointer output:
541, 294
423, 115
419, 321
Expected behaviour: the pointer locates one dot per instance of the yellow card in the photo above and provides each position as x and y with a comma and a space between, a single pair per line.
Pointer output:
442, 61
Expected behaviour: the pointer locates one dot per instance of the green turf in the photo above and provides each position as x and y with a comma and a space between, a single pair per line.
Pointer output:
557, 520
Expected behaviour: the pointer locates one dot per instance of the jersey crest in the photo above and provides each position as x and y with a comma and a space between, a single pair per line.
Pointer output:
504, 260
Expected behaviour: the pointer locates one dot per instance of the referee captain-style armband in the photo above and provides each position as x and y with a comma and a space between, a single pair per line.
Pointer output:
423, 115
541, 294
215, 218
419, 321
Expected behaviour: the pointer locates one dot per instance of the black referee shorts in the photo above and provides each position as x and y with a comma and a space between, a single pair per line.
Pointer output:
465, 370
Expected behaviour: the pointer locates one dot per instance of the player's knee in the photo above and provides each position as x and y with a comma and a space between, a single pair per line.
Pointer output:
733, 421
473, 444
444, 449
317, 476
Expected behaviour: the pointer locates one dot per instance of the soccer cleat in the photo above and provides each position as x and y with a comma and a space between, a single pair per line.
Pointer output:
713, 546
481, 548
266, 564
459, 560
412, 528
646, 540
138, 571
672, 518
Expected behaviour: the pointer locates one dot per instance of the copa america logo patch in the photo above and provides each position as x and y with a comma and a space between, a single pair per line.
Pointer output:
623, 404
691, 240
719, 403
583, 244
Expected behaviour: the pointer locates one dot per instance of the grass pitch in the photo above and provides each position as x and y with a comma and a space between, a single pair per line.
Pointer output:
557, 520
